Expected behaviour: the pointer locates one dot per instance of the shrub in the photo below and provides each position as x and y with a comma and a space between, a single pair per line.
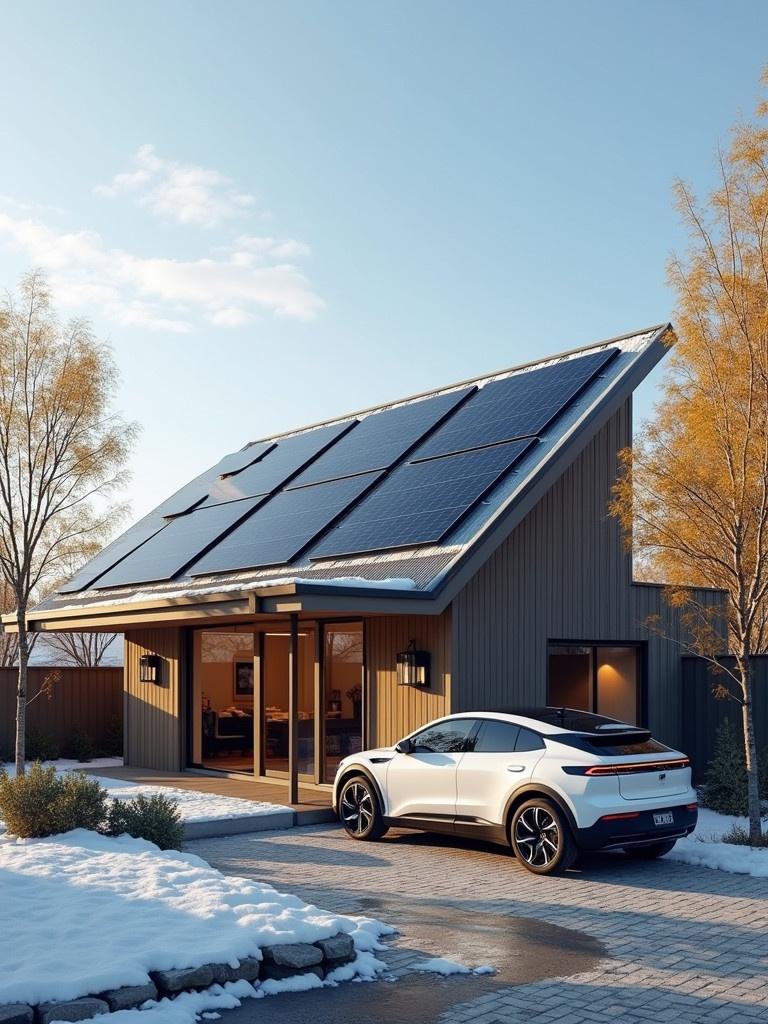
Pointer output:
82, 804
80, 746
739, 836
41, 747
725, 780
112, 745
42, 803
155, 818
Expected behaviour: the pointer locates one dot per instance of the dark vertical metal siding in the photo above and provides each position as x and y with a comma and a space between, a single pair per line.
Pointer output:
563, 574
153, 723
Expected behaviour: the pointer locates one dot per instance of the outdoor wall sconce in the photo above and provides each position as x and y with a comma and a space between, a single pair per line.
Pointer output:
149, 668
413, 667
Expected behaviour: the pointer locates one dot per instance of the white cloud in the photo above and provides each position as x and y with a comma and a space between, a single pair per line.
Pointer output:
163, 293
182, 193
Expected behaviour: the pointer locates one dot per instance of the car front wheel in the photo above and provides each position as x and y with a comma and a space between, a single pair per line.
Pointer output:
541, 837
359, 810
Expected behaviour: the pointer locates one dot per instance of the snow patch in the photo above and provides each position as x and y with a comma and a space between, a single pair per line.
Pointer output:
441, 965
705, 848
91, 912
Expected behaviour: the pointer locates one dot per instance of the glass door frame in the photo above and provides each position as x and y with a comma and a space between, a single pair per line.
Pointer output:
641, 649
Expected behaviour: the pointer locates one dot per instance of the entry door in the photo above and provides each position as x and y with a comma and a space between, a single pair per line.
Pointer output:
423, 783
274, 702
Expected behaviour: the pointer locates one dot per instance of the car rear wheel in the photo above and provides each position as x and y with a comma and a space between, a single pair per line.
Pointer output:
359, 810
541, 837
650, 852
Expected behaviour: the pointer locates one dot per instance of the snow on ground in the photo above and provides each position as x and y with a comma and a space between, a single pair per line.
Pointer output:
193, 806
89, 912
704, 848
440, 965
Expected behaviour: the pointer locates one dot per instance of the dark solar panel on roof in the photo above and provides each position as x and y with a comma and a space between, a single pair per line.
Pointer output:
381, 438
286, 458
518, 406
284, 526
183, 539
114, 552
237, 461
420, 502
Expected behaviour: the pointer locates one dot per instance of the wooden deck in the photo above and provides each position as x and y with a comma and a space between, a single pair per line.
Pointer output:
314, 804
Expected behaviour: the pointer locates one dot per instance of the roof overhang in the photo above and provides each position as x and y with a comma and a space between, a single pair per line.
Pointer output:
327, 598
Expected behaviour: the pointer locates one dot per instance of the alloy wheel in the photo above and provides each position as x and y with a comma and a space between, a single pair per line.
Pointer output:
357, 808
537, 836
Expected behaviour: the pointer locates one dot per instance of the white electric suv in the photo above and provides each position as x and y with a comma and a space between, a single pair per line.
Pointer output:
549, 782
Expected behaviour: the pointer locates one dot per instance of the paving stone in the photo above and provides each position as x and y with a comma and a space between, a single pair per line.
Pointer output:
339, 949
71, 1010
183, 978
16, 1013
293, 954
129, 996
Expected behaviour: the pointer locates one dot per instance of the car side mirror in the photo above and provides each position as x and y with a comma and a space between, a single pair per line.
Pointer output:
404, 747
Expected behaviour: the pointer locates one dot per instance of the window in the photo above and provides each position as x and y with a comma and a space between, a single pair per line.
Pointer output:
600, 678
528, 740
496, 737
448, 737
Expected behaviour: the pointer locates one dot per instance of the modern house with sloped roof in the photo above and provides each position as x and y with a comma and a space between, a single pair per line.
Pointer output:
336, 587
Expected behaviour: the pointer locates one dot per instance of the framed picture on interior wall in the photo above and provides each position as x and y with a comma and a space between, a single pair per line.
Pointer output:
243, 680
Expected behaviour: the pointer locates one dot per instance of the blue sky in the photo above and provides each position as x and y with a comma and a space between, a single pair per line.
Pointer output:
282, 211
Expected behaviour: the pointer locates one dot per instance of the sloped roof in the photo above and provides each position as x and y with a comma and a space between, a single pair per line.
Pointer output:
397, 500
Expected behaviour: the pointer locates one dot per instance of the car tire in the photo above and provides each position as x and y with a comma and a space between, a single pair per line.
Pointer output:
359, 810
650, 852
541, 837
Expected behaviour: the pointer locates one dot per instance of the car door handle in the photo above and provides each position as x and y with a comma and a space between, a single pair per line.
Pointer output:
515, 767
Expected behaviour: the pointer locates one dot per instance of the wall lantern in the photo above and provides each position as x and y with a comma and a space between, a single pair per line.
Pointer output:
149, 668
413, 667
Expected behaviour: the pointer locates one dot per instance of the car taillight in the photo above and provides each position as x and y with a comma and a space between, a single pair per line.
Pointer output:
691, 807
620, 817
632, 768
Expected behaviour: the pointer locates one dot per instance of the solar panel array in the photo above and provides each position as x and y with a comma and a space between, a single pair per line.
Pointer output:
420, 502
405, 476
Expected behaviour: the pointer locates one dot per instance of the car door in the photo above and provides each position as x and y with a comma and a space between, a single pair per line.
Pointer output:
423, 783
502, 757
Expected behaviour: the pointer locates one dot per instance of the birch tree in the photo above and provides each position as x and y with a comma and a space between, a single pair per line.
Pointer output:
693, 496
62, 453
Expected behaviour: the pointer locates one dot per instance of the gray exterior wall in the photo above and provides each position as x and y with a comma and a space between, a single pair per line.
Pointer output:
563, 574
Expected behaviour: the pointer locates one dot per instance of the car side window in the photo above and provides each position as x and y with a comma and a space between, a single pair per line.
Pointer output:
528, 740
448, 737
496, 737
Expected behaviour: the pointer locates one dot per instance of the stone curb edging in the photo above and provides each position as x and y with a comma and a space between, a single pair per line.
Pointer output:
278, 963
213, 828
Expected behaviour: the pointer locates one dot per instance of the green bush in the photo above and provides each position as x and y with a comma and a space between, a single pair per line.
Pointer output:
80, 746
112, 745
725, 780
155, 818
42, 803
40, 747
82, 804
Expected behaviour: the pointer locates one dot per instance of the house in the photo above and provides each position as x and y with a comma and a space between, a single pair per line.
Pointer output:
342, 584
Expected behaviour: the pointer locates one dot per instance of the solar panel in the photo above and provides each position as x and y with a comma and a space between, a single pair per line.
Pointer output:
420, 502
196, 491
380, 439
182, 540
283, 526
518, 406
113, 553
289, 456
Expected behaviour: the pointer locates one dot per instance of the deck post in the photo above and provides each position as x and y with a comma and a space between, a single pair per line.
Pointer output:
293, 711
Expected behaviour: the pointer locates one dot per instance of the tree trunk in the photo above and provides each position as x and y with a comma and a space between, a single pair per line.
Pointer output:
750, 751
21, 691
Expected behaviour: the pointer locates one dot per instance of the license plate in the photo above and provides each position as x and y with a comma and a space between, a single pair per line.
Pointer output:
667, 818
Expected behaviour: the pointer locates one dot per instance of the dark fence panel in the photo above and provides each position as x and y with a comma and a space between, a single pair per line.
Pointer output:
88, 699
702, 712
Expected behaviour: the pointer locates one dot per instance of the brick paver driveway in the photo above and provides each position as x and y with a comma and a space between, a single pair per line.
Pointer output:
678, 943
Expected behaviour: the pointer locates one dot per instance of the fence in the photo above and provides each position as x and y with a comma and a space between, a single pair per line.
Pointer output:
85, 699
703, 713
